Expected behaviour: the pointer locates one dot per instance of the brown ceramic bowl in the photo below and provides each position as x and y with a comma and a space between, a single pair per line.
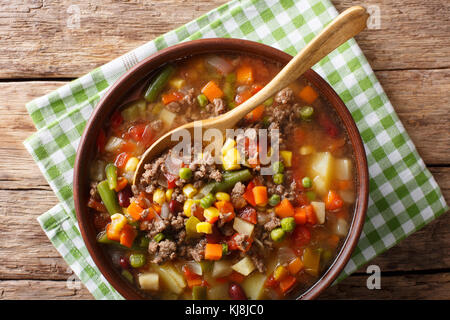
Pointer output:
138, 75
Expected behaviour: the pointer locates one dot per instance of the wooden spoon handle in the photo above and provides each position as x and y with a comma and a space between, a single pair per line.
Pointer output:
348, 24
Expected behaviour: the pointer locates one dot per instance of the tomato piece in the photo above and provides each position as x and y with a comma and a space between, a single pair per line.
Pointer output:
248, 194
243, 96
148, 136
116, 120
256, 88
248, 214
330, 128
235, 244
333, 201
121, 160
171, 179
301, 236
101, 141
137, 131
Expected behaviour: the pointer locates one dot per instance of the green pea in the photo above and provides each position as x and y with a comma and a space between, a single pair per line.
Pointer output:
277, 234
207, 201
224, 249
311, 195
306, 112
306, 182
185, 173
268, 102
202, 100
278, 178
274, 200
127, 275
137, 260
159, 237
288, 224
278, 167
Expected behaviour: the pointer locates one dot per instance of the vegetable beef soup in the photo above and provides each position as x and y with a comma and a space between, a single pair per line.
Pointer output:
196, 228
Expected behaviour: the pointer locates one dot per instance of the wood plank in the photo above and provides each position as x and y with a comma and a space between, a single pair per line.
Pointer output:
403, 287
28, 254
39, 40
42, 290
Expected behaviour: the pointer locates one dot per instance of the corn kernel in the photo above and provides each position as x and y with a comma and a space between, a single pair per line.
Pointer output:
169, 193
118, 221
204, 227
159, 197
279, 273
228, 145
187, 207
131, 164
189, 190
306, 150
231, 160
177, 83
223, 196
211, 214
287, 158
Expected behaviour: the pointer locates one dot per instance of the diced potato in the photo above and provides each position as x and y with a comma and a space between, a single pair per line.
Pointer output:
229, 144
218, 292
254, 285
167, 117
113, 144
319, 209
245, 266
319, 185
321, 164
177, 83
221, 268
149, 281
97, 170
341, 227
287, 158
231, 159
348, 196
243, 227
343, 169
170, 283
175, 274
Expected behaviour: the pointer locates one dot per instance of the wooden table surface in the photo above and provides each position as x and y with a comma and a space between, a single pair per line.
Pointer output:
39, 52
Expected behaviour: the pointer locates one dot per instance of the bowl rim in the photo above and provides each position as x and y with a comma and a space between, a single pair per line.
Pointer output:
111, 101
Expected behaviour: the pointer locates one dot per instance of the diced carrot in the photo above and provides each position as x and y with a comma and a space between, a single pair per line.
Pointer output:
192, 278
171, 97
344, 184
300, 215
225, 207
287, 283
333, 201
308, 94
212, 91
236, 277
134, 210
244, 75
111, 234
260, 195
127, 236
295, 266
213, 251
156, 207
284, 209
121, 184
255, 115
311, 216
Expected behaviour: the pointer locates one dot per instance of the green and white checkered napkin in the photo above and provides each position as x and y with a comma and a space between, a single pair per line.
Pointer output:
403, 194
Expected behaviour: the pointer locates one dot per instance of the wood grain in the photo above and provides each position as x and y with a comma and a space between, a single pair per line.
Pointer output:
38, 38
42, 290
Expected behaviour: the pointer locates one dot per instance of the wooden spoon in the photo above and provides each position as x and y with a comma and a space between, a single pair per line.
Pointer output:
348, 24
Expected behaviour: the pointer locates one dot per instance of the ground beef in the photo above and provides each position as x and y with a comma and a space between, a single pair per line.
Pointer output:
272, 223
162, 251
197, 251
237, 199
93, 191
216, 108
156, 125
284, 96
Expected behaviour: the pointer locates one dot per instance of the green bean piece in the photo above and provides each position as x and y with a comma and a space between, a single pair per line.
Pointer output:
158, 83
306, 182
306, 113
109, 197
137, 260
207, 201
202, 100
144, 242
278, 167
268, 102
266, 121
159, 237
111, 175
199, 293
288, 224
311, 195
277, 234
206, 265
224, 249
231, 178
127, 275
228, 88
274, 200
278, 178
185, 173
